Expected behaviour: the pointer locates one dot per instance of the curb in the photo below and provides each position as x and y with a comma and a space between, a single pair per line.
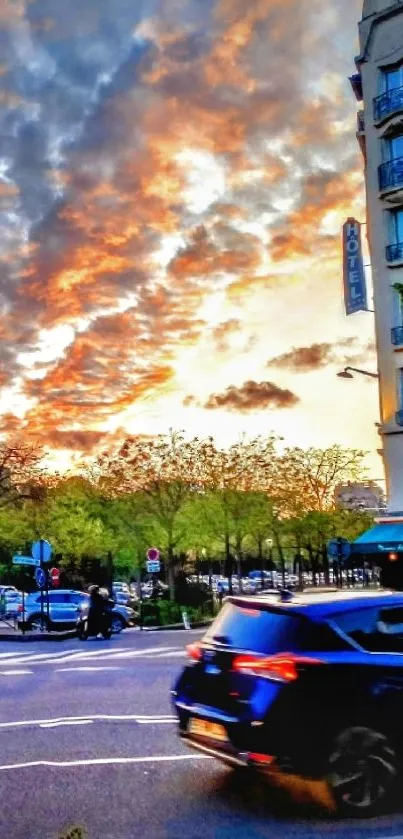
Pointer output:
177, 626
19, 638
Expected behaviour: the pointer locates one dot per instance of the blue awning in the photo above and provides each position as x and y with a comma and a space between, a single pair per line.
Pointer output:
380, 539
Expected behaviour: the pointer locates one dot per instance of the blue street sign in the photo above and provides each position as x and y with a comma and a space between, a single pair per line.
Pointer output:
339, 548
25, 560
153, 566
42, 551
40, 577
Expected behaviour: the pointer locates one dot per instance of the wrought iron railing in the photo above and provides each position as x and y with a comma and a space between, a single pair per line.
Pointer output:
394, 252
397, 335
391, 174
388, 103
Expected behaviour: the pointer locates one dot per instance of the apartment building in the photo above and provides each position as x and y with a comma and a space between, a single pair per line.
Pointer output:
378, 85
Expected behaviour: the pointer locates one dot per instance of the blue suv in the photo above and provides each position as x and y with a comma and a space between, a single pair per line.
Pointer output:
310, 685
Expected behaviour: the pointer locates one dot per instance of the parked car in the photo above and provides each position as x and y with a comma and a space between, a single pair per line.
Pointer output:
5, 589
312, 687
10, 601
64, 605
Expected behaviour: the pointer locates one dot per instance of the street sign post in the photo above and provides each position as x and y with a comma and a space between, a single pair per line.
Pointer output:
26, 560
42, 550
153, 566
339, 549
40, 577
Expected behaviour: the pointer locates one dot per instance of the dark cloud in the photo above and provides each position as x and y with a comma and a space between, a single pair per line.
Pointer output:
304, 359
315, 356
252, 396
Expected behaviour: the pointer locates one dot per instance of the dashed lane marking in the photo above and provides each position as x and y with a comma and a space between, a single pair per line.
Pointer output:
73, 655
142, 719
102, 761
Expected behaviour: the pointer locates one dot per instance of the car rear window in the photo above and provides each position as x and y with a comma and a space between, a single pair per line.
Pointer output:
266, 631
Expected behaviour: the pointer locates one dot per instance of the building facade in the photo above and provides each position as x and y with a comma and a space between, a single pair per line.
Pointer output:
378, 85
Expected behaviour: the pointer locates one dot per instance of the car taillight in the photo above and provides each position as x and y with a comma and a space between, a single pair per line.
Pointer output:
278, 668
194, 652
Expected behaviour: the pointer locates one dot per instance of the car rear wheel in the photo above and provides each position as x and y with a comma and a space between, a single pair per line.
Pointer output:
39, 623
363, 766
117, 623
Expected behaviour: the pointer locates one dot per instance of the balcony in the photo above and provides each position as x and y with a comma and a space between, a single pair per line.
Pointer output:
387, 104
394, 253
397, 335
360, 134
391, 175
356, 84
399, 418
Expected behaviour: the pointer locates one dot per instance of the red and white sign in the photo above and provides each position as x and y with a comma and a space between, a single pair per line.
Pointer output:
153, 554
54, 574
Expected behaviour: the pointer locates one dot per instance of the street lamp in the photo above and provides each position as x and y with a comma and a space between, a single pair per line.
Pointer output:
345, 374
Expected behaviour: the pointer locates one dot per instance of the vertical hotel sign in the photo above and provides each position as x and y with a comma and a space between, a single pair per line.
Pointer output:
355, 290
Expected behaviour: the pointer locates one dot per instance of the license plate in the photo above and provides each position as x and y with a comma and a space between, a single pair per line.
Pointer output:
203, 728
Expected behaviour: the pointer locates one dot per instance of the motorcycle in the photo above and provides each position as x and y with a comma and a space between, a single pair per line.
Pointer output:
92, 625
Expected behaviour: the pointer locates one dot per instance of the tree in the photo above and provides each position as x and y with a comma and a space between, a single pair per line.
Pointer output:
164, 473
230, 476
20, 471
306, 479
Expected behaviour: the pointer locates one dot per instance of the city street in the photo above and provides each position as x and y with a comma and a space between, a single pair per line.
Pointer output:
87, 738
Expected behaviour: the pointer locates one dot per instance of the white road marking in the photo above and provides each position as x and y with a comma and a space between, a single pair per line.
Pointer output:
100, 761
74, 655
11, 655
45, 658
65, 722
15, 672
85, 669
173, 654
139, 718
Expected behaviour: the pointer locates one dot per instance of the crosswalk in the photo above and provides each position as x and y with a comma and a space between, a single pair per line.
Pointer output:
16, 663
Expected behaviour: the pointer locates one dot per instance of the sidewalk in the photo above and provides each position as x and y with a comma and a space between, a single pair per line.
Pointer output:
8, 633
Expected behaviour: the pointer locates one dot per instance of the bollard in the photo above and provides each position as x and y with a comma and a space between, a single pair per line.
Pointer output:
185, 619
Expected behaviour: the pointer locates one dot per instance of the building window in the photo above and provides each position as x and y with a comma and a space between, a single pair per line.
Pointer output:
396, 227
399, 373
394, 248
392, 148
391, 79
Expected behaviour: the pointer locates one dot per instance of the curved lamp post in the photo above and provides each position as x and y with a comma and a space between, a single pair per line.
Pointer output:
346, 374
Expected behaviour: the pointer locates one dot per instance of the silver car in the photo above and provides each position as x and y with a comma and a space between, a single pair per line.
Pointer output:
64, 608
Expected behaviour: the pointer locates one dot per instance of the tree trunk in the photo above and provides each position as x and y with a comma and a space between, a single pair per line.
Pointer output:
228, 563
325, 560
281, 555
210, 575
261, 560
110, 572
171, 572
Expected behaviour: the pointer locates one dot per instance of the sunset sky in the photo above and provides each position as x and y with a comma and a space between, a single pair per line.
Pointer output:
174, 175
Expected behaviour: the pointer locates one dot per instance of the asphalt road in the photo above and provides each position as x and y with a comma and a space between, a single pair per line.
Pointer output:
87, 738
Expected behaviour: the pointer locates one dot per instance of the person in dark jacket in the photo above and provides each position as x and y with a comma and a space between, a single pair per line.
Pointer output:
98, 607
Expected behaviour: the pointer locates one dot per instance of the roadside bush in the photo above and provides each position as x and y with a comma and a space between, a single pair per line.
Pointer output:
165, 612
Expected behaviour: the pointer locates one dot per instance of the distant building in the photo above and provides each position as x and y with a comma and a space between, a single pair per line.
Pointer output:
378, 83
360, 497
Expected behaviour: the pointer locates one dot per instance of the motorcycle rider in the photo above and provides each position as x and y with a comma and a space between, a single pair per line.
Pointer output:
99, 607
